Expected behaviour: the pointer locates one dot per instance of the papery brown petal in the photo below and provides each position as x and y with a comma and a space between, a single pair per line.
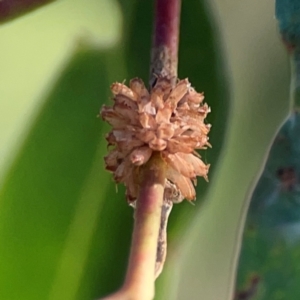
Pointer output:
179, 129
178, 92
147, 121
189, 115
122, 89
158, 144
113, 118
177, 162
111, 139
200, 168
122, 135
162, 88
197, 127
157, 100
131, 183
146, 135
146, 107
202, 142
163, 115
163, 84
184, 184
127, 146
125, 140
127, 113
137, 86
141, 155
113, 160
120, 172
125, 101
165, 131
174, 145
182, 106
194, 97
204, 109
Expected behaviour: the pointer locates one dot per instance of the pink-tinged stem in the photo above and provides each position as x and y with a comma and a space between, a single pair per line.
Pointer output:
12, 8
164, 54
140, 277
148, 246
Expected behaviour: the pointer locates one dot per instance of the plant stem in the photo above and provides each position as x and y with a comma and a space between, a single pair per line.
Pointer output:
140, 277
164, 62
164, 53
12, 8
148, 248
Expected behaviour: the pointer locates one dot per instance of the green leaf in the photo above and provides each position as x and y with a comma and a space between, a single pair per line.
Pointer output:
259, 88
48, 211
35, 49
56, 199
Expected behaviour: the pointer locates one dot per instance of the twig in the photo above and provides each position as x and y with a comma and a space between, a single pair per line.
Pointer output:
140, 277
148, 248
11, 8
164, 62
164, 53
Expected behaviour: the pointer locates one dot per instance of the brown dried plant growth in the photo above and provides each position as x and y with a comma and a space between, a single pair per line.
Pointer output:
168, 120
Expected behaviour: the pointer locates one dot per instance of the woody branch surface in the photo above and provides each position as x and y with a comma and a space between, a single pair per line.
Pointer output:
11, 8
164, 52
140, 277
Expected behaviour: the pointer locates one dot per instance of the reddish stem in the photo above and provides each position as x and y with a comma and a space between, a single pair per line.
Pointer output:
140, 277
12, 8
164, 55
148, 247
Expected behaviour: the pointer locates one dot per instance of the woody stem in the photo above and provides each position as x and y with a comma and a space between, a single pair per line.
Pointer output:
164, 53
146, 256
12, 8
140, 277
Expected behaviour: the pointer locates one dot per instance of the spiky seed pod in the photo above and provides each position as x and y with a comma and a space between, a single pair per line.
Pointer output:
168, 120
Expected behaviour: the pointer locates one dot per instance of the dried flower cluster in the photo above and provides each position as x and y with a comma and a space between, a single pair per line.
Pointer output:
168, 120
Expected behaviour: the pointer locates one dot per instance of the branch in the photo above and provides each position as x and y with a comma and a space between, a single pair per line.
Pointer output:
164, 53
12, 8
148, 248
140, 277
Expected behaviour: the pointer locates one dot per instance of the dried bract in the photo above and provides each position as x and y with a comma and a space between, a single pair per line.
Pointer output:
168, 120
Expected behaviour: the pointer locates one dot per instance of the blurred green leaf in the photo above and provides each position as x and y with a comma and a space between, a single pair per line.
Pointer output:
35, 49
259, 88
49, 181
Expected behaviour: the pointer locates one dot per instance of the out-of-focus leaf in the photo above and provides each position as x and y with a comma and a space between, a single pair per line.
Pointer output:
62, 219
55, 191
259, 86
34, 50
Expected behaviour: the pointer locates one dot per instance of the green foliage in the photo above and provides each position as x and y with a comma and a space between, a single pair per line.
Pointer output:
271, 240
